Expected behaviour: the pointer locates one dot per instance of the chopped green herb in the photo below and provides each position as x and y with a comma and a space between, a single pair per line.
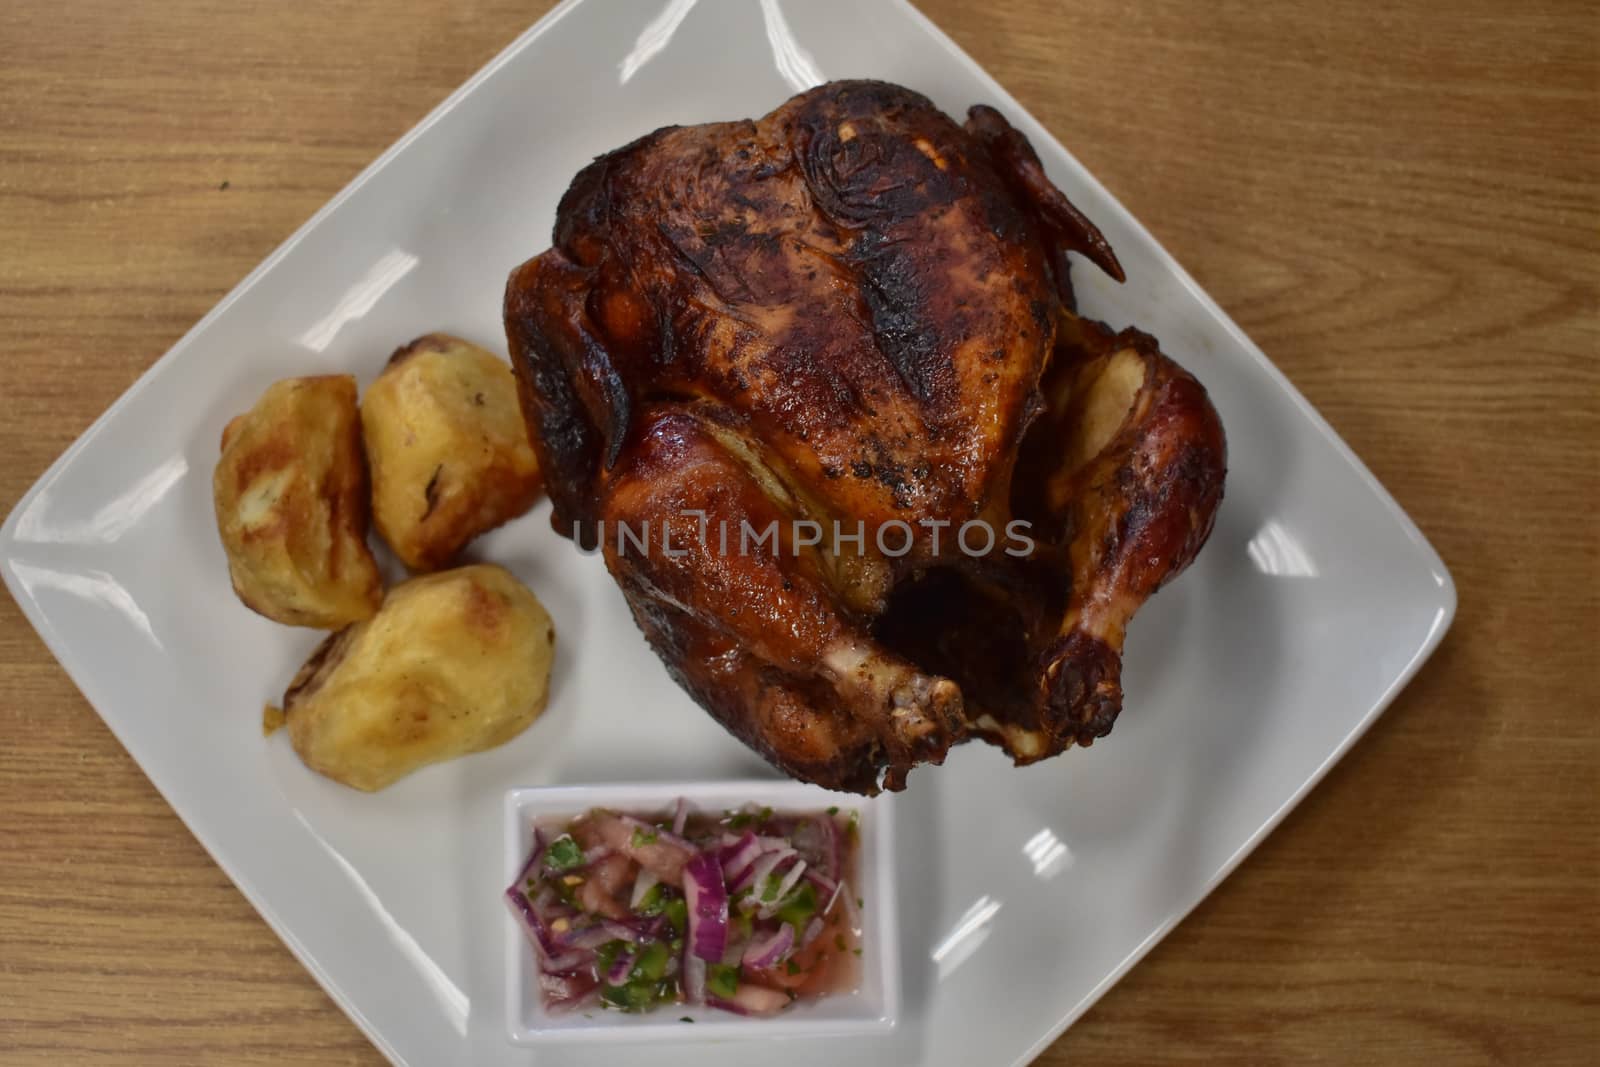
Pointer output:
606, 955
722, 980
838, 942
769, 892
685, 1019
677, 913
860, 903
792, 967
642, 838
635, 996
834, 810
650, 903
798, 907
639, 994
651, 964
563, 854
856, 951
766, 814
739, 820
743, 926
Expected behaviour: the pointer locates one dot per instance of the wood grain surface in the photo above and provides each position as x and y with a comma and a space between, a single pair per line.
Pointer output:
1397, 200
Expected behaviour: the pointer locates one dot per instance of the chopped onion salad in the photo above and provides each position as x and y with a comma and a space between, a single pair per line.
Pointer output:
748, 911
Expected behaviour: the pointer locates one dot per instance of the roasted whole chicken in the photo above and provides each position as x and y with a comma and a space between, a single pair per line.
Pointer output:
816, 386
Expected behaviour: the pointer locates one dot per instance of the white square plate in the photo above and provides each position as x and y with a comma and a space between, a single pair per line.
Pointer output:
872, 1008
1023, 895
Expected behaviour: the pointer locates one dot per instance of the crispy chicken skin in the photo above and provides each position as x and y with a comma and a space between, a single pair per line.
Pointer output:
856, 311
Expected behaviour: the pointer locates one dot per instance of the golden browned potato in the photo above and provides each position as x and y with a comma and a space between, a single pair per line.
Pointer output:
449, 449
454, 662
290, 492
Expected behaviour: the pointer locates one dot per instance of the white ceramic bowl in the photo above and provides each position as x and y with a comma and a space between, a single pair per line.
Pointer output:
871, 1008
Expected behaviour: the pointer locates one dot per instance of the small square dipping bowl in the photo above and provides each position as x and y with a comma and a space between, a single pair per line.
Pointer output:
872, 1008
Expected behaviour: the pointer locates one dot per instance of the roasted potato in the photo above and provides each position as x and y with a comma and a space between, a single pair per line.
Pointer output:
290, 492
448, 447
454, 662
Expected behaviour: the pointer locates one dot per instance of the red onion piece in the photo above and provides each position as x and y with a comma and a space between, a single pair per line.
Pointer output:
567, 961
813, 928
528, 869
821, 881
694, 977
766, 951
770, 907
762, 867
852, 914
646, 881
651, 929
680, 817
532, 925
737, 858
842, 889
818, 840
590, 937
620, 967
707, 897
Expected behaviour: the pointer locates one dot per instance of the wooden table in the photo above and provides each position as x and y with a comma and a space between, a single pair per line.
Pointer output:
1397, 201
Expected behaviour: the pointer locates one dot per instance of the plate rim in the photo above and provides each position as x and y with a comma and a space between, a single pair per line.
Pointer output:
1445, 603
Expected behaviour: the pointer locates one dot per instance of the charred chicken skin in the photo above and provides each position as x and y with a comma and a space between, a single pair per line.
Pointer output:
850, 324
